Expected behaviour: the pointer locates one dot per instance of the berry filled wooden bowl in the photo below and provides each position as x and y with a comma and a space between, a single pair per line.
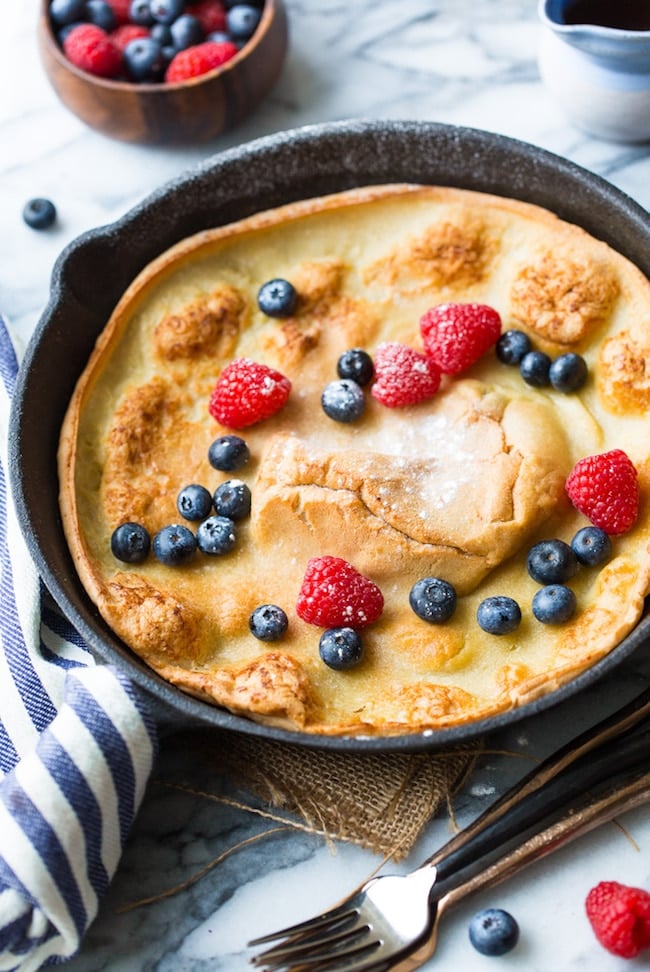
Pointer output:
123, 102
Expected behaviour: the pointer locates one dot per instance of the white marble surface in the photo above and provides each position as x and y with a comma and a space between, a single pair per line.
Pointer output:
471, 62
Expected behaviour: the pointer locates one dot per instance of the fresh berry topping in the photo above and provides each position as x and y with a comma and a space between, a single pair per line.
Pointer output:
130, 543
194, 502
493, 931
39, 213
174, 545
554, 604
120, 10
247, 392
166, 11
534, 368
457, 335
568, 372
552, 562
233, 499
605, 488
210, 14
277, 298
592, 546
355, 363
217, 535
186, 32
228, 453
242, 21
498, 615
340, 648
144, 59
620, 917
140, 13
63, 12
101, 14
343, 401
126, 33
403, 375
334, 594
268, 622
512, 346
90, 49
197, 60
433, 599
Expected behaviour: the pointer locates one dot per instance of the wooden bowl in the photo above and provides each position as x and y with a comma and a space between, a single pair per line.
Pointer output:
186, 113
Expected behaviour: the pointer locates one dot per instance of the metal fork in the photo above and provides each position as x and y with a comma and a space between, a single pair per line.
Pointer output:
391, 921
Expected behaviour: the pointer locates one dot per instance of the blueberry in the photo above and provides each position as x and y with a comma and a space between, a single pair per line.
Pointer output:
268, 622
498, 615
242, 20
166, 11
100, 13
534, 368
130, 543
144, 60
232, 499
228, 453
174, 545
493, 931
161, 34
140, 13
552, 562
357, 365
592, 546
512, 346
194, 502
343, 400
340, 648
554, 604
277, 298
433, 599
568, 372
64, 12
220, 37
39, 213
217, 535
186, 31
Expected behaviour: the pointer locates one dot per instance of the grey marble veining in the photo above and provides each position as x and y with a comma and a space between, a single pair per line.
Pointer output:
467, 62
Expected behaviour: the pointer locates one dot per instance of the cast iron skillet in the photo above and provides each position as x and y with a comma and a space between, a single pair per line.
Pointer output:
94, 270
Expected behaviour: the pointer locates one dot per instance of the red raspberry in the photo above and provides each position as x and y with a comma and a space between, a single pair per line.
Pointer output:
120, 10
335, 595
247, 392
403, 375
211, 14
90, 48
199, 59
605, 488
457, 335
125, 33
620, 917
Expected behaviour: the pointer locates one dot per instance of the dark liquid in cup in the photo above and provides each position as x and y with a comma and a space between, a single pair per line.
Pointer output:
620, 14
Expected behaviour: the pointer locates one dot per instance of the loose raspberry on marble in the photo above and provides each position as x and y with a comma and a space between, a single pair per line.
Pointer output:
620, 917
199, 59
334, 595
457, 335
403, 376
247, 392
605, 488
91, 49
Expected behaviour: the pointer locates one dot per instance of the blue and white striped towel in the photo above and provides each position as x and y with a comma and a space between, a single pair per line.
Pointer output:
76, 749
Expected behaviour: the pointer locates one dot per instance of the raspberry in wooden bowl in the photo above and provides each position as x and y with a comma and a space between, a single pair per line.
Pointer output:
161, 72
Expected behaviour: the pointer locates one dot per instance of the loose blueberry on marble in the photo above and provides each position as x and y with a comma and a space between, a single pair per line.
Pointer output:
217, 535
194, 502
498, 615
39, 213
355, 363
433, 599
174, 545
554, 604
568, 372
512, 346
592, 546
228, 453
130, 543
232, 499
100, 13
343, 400
242, 20
144, 59
340, 648
166, 11
277, 298
552, 562
186, 31
534, 368
493, 931
64, 12
140, 13
268, 622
